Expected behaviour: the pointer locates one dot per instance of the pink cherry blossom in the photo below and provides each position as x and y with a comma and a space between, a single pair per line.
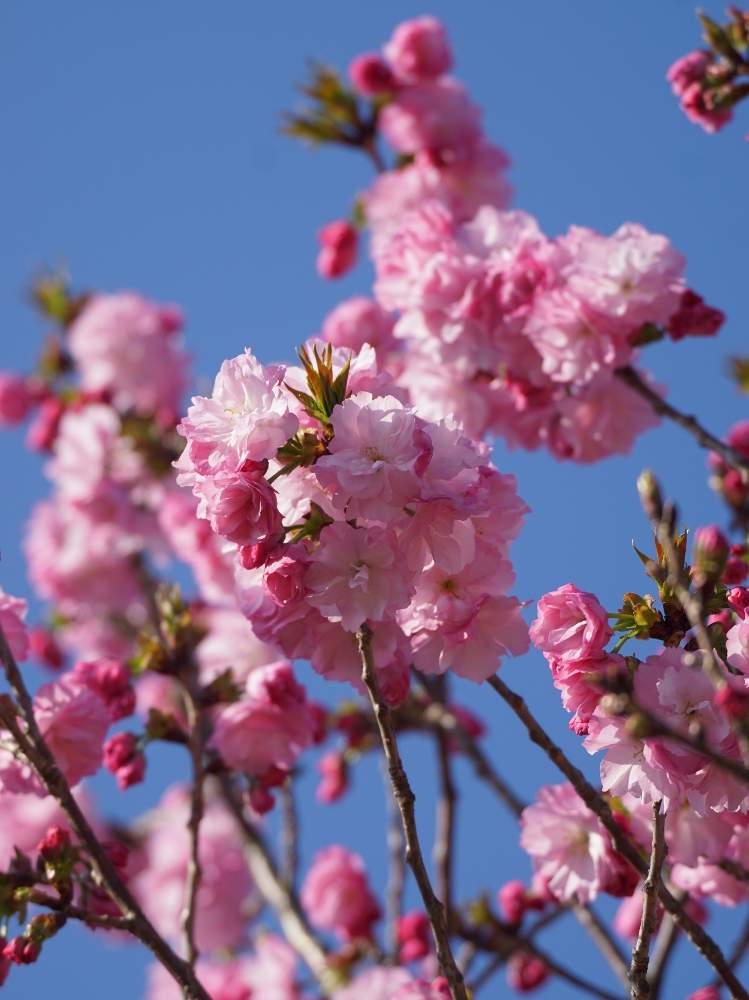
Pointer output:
571, 625
419, 50
369, 470
269, 726
354, 576
568, 845
129, 346
436, 116
338, 246
73, 722
356, 322
337, 896
246, 417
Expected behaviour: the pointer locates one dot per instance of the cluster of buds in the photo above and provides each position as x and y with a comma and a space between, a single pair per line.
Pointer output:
710, 82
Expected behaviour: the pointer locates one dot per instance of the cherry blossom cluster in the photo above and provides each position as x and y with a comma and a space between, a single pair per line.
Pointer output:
342, 508
484, 318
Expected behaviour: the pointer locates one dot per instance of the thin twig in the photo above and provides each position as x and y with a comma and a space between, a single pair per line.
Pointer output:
396, 870
38, 754
405, 798
505, 944
441, 716
593, 799
196, 742
631, 377
638, 970
444, 838
100, 921
282, 899
739, 950
289, 835
665, 945
606, 944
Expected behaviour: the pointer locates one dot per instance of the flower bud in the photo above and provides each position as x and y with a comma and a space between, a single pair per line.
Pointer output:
705, 993
419, 50
511, 900
339, 242
16, 399
526, 972
260, 799
413, 936
22, 951
650, 495
738, 599
54, 843
732, 702
332, 767
371, 75
710, 552
45, 649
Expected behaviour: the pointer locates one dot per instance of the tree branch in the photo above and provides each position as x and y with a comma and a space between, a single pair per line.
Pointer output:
598, 805
38, 754
631, 377
606, 944
405, 798
396, 871
196, 744
638, 970
444, 840
282, 899
289, 835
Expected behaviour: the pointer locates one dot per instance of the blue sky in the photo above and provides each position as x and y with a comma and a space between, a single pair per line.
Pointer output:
142, 151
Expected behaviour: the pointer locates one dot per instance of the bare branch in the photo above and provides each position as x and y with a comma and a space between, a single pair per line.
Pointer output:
281, 898
603, 939
196, 743
631, 377
405, 798
396, 870
638, 970
444, 840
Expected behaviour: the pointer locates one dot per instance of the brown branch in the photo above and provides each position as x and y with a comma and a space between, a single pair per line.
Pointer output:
504, 944
72, 912
32, 744
289, 834
638, 970
631, 377
405, 798
396, 870
439, 715
593, 799
196, 743
665, 944
282, 899
444, 839
603, 939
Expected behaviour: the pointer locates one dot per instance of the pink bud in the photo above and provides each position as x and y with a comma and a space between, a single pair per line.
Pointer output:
733, 487
723, 618
117, 852
45, 649
694, 318
705, 993
735, 571
274, 777
54, 841
511, 901
261, 800
339, 241
131, 773
171, 319
320, 723
710, 541
371, 75
332, 767
254, 556
738, 598
123, 759
413, 936
526, 972
732, 702
43, 431
16, 399
21, 951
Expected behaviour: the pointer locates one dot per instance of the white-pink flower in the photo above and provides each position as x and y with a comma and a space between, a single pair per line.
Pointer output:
73, 721
355, 576
369, 470
246, 417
